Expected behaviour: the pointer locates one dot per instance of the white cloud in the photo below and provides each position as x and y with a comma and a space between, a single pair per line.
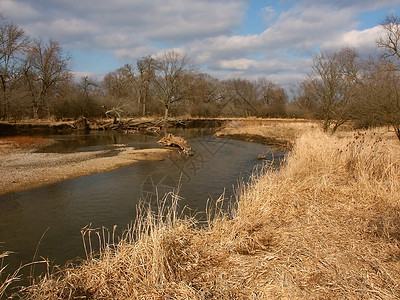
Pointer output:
357, 4
206, 29
302, 28
133, 53
71, 33
17, 12
363, 41
268, 14
297, 32
170, 21
237, 64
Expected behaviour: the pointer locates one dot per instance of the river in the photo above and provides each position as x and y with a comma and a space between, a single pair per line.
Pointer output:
59, 211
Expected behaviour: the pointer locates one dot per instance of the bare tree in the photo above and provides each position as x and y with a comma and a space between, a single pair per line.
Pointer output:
171, 68
120, 91
245, 95
119, 84
378, 101
271, 98
388, 74
46, 66
390, 40
13, 44
332, 85
144, 79
86, 91
203, 92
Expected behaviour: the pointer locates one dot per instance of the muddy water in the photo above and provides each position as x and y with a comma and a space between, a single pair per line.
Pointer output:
59, 211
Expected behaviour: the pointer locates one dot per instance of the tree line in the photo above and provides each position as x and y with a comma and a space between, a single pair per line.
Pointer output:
344, 87
36, 82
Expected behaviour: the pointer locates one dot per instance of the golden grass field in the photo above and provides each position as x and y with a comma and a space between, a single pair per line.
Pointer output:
326, 225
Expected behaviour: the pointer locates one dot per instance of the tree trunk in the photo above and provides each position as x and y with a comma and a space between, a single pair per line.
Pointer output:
166, 112
326, 125
397, 130
4, 113
5, 100
144, 109
35, 110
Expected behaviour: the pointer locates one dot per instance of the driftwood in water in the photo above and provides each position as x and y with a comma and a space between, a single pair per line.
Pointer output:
133, 125
176, 141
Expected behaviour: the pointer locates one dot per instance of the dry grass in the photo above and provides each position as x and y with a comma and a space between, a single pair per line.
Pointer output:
280, 133
9, 279
325, 226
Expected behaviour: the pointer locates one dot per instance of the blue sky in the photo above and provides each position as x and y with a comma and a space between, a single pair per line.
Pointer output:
226, 38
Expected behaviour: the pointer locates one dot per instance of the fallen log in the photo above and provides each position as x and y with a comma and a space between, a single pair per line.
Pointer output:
176, 141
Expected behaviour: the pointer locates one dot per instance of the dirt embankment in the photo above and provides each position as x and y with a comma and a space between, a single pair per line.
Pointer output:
278, 133
22, 168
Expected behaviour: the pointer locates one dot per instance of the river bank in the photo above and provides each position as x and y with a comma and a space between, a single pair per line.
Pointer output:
126, 125
22, 168
323, 226
278, 133
25, 169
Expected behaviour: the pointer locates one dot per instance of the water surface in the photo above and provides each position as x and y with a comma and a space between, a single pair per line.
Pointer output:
60, 210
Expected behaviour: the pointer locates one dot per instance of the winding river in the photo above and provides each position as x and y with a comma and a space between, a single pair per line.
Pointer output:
50, 217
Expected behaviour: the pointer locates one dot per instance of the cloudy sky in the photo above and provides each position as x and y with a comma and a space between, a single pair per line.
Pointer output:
226, 38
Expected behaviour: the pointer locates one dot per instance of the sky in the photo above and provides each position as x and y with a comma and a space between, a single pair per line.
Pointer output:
224, 38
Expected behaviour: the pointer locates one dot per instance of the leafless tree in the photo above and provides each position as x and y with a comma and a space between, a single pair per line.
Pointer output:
390, 41
378, 101
388, 74
331, 84
144, 79
13, 44
171, 69
119, 84
45, 67
86, 93
120, 91
271, 98
203, 95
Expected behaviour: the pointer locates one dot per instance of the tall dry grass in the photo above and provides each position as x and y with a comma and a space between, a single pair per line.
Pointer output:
279, 133
5, 280
325, 226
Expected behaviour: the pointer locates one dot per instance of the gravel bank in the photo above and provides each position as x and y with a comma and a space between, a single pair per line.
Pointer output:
21, 168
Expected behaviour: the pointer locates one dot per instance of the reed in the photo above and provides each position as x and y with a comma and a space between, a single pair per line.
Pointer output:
6, 281
326, 225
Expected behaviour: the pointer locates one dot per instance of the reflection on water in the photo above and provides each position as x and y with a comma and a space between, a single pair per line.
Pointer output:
110, 198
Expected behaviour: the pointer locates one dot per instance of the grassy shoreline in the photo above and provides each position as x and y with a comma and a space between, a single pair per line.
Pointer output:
324, 226
281, 134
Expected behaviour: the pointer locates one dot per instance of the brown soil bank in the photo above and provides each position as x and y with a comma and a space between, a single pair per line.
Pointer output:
7, 128
324, 226
130, 124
